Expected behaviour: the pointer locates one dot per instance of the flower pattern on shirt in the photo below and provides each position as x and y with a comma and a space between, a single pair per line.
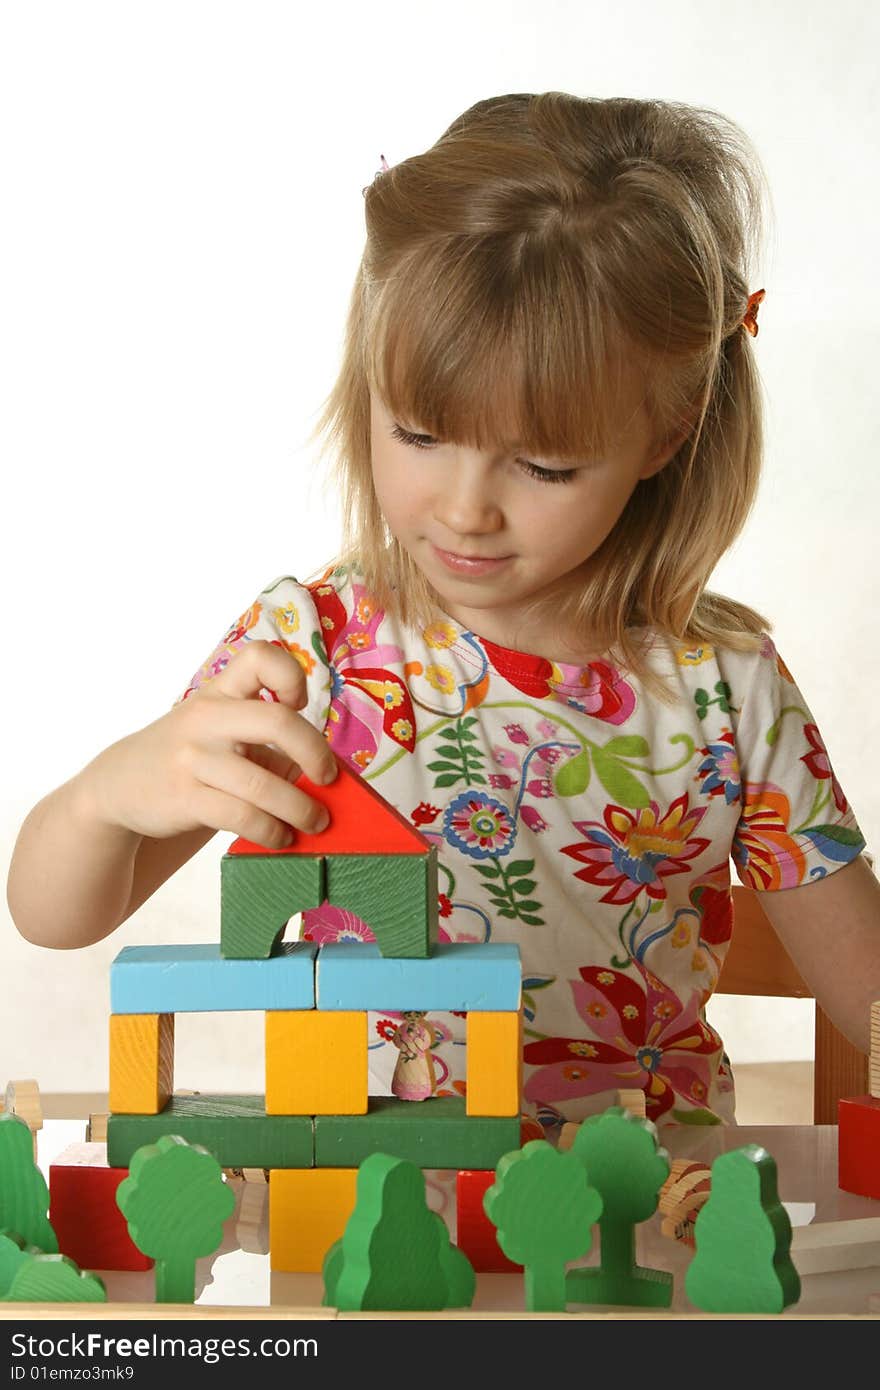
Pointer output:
576, 815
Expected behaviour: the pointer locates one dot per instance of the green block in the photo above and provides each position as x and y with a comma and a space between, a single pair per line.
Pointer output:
742, 1262
175, 1203
259, 893
395, 1252
235, 1129
433, 1133
395, 894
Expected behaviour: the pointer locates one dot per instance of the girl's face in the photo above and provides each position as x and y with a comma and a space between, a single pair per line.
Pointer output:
532, 527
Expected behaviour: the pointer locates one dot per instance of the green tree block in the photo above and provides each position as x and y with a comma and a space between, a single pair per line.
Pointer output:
259, 893
624, 1161
435, 1133
396, 1253
543, 1209
743, 1238
395, 894
235, 1129
12, 1253
43, 1278
24, 1196
175, 1201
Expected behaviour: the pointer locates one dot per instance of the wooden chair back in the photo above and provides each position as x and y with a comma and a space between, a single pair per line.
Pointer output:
757, 963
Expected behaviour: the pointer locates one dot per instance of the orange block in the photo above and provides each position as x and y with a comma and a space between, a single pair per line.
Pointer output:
316, 1062
308, 1210
494, 1063
141, 1063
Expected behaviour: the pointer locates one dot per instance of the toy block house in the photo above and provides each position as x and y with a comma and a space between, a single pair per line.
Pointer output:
315, 1121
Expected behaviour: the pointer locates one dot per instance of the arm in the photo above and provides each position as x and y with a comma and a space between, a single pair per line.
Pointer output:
74, 879
97, 847
831, 930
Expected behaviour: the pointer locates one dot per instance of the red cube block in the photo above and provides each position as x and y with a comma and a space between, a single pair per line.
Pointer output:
858, 1145
83, 1213
475, 1233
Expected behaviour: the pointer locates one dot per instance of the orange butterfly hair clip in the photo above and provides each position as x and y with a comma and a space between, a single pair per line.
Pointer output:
750, 317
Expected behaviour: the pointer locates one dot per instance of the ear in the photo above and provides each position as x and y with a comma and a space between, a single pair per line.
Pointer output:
667, 452
668, 449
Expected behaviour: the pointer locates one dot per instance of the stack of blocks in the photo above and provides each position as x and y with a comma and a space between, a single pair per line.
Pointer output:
316, 1122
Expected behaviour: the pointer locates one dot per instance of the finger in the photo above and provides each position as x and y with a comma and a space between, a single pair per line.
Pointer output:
257, 787
257, 722
272, 759
224, 812
262, 665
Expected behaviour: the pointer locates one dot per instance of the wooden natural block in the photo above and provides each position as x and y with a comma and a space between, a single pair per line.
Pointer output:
234, 1128
141, 1062
191, 979
361, 822
633, 1101
83, 1213
475, 1234
395, 894
858, 1145
459, 975
494, 1062
259, 893
316, 1063
875, 1051
23, 1099
308, 1211
824, 1247
436, 1133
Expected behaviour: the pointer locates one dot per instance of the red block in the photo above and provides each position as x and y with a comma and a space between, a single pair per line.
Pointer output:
83, 1213
858, 1145
361, 822
475, 1232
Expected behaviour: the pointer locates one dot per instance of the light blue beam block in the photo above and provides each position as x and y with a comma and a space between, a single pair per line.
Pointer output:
458, 975
197, 979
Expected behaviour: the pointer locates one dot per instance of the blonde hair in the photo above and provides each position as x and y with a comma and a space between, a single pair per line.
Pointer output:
547, 250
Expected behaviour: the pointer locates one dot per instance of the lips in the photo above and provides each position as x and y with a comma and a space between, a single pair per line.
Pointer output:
470, 564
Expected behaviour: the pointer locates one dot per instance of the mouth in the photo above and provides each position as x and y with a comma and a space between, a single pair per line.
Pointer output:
470, 564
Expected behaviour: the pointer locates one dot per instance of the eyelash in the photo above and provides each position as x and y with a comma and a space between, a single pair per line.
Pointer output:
543, 475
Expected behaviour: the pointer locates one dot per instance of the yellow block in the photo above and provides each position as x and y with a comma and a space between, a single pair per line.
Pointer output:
141, 1063
494, 1063
308, 1210
316, 1062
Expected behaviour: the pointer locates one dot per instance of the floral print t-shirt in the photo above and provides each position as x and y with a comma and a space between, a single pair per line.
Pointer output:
578, 816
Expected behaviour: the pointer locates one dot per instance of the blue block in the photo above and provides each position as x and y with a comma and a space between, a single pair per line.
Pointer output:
197, 979
458, 975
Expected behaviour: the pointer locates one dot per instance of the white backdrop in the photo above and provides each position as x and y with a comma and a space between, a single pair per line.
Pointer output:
181, 220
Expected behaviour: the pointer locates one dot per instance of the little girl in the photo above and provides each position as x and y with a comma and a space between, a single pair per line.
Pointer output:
547, 431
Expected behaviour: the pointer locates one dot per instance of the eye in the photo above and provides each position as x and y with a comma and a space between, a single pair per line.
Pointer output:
417, 441
534, 470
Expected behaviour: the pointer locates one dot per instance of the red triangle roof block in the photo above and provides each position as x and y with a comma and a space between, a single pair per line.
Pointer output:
361, 822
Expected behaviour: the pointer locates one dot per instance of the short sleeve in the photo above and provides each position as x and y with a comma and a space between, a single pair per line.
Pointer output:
795, 823
283, 613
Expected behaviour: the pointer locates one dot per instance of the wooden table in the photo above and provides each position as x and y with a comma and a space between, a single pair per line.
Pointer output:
236, 1282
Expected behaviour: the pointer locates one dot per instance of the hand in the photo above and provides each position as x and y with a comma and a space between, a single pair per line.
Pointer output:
223, 759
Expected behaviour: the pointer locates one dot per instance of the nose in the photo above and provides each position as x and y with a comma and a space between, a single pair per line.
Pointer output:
469, 504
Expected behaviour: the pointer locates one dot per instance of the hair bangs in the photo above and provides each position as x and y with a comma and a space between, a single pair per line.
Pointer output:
494, 346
